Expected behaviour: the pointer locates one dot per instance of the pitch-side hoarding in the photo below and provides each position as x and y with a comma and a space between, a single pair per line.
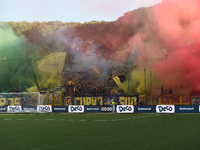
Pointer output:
92, 109
44, 108
14, 109
145, 109
125, 109
165, 109
29, 109
186, 109
76, 109
60, 109
3, 109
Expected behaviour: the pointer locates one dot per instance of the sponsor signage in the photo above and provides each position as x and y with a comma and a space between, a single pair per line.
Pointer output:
14, 109
145, 109
165, 108
2, 109
107, 109
44, 108
125, 108
60, 109
92, 109
29, 109
105, 100
186, 109
76, 109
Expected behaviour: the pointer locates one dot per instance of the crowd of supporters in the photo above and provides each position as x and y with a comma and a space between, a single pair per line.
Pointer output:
79, 88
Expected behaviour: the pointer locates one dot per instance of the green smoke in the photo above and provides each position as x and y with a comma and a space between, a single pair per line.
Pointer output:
13, 50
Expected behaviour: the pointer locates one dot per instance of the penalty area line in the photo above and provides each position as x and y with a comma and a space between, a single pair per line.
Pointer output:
138, 117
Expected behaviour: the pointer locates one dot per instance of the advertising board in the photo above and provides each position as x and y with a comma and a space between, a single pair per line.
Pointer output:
125, 109
76, 109
29, 109
2, 109
199, 108
145, 109
44, 108
107, 108
60, 109
14, 109
92, 109
186, 109
165, 109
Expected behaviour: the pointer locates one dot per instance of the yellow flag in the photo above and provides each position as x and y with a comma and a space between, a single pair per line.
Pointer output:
53, 62
96, 71
117, 80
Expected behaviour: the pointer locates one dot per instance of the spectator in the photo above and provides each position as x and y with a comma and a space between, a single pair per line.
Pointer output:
114, 91
64, 91
98, 103
94, 91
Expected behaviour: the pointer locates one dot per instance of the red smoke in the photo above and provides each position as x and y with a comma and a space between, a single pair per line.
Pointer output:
178, 23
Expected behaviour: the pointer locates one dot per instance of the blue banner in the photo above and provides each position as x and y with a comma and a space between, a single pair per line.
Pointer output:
29, 108
60, 108
92, 109
186, 108
3, 108
145, 109
106, 100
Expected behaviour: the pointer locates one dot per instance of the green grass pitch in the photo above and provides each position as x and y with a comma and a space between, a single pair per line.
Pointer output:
62, 131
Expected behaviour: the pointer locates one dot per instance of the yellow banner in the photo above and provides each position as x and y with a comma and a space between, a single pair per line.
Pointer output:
53, 62
99, 101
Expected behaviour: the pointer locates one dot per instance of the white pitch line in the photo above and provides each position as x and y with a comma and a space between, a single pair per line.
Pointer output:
61, 119
136, 117
7, 119
70, 120
121, 119
127, 118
